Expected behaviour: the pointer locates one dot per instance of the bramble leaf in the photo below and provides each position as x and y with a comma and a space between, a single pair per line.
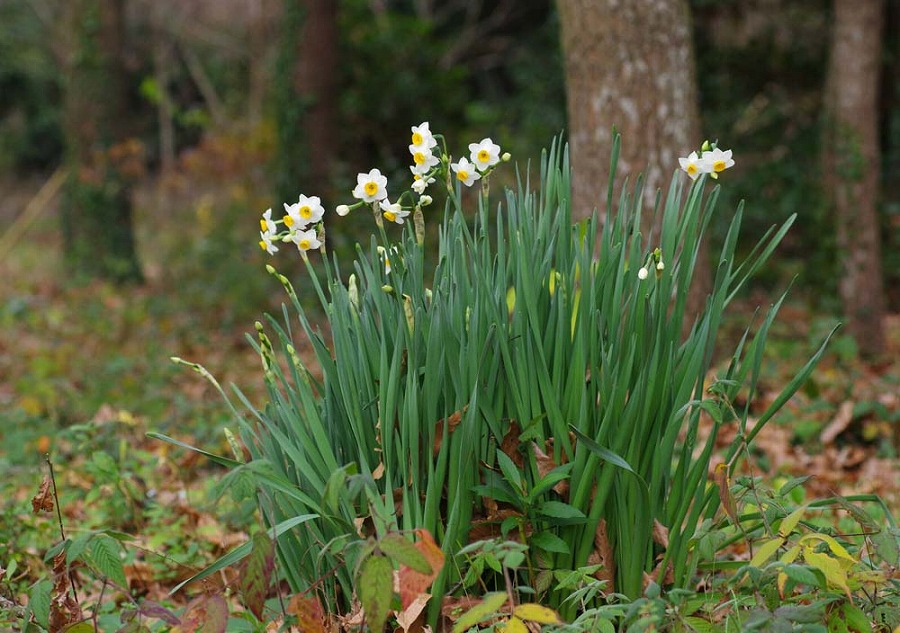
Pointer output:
375, 590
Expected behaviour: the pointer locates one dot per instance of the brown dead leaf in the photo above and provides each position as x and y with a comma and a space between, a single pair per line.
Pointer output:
510, 444
43, 500
723, 481
545, 464
309, 613
451, 422
413, 583
411, 619
838, 424
603, 555
207, 613
660, 534
64, 609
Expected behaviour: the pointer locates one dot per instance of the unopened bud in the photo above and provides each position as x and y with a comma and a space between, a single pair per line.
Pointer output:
342, 209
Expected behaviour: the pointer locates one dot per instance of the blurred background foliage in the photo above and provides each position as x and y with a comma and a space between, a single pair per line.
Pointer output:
471, 68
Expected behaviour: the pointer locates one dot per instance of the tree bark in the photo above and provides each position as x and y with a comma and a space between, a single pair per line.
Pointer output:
630, 65
306, 96
102, 162
852, 165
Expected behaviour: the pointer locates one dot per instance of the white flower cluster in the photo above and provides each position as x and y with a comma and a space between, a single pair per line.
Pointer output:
302, 219
300, 223
711, 160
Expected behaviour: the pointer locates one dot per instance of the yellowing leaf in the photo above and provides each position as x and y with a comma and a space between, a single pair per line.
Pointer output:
836, 548
488, 606
536, 613
791, 555
782, 580
830, 568
791, 521
514, 625
766, 551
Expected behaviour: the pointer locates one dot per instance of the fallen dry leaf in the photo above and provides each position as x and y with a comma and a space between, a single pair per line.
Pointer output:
412, 583
838, 424
43, 500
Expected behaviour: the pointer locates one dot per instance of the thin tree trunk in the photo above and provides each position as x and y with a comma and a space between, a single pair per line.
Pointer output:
306, 94
96, 208
630, 65
852, 165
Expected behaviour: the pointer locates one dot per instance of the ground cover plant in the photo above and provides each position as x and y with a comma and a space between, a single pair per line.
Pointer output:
526, 416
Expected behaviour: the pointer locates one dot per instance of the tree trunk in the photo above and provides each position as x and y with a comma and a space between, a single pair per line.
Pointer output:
852, 165
631, 65
306, 97
102, 162
628, 65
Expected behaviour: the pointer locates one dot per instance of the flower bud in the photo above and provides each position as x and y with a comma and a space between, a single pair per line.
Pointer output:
506, 157
425, 200
342, 209
642, 273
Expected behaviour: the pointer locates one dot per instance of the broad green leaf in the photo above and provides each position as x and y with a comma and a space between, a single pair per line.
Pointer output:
801, 574
86, 627
510, 471
560, 510
699, 624
765, 551
375, 589
77, 546
791, 521
333, 487
855, 619
39, 601
256, 574
793, 483
404, 552
536, 613
549, 542
887, 545
104, 553
488, 606
603, 453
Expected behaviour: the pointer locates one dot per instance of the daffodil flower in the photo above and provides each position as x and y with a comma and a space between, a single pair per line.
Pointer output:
304, 212
266, 242
423, 159
694, 165
420, 183
422, 138
267, 224
393, 212
718, 161
305, 240
466, 172
371, 187
485, 154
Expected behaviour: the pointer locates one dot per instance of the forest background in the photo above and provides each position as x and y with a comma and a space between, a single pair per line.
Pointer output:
216, 110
